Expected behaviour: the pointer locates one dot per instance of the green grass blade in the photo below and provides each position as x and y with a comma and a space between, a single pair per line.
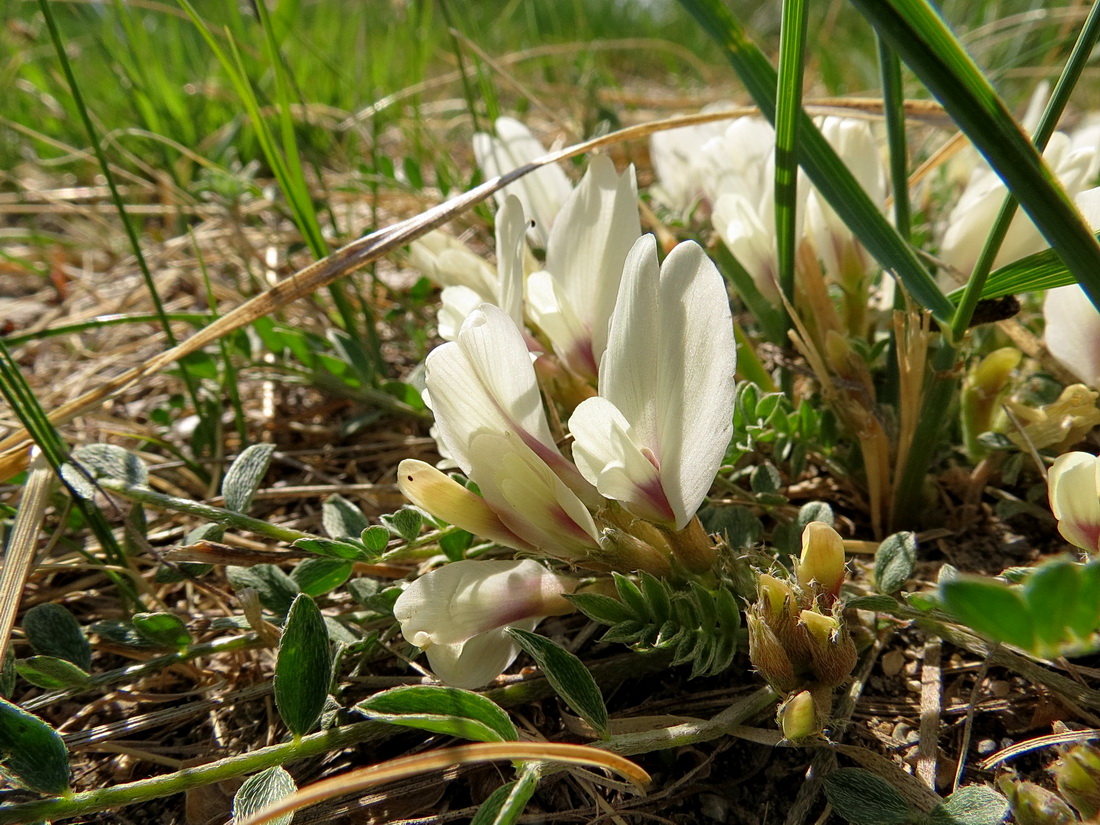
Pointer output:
1071, 74
827, 172
788, 107
116, 198
1043, 270
915, 30
893, 102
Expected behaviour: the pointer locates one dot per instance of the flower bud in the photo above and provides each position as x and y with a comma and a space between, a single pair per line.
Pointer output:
775, 596
831, 648
623, 551
798, 717
769, 656
1077, 774
445, 498
822, 560
1035, 805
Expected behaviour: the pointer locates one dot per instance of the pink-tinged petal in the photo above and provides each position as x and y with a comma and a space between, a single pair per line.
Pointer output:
609, 455
463, 599
530, 498
445, 498
485, 381
542, 192
1074, 490
477, 661
553, 313
669, 367
588, 245
752, 242
1073, 332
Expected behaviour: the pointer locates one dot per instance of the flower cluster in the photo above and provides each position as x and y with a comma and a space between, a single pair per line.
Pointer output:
798, 640
639, 354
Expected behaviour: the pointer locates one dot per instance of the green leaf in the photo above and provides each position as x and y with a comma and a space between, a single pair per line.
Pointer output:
244, 476
446, 710
342, 519
163, 629
405, 523
990, 607
505, 805
375, 539
1086, 614
51, 673
261, 790
113, 462
52, 631
7, 674
602, 609
319, 576
1051, 593
864, 799
972, 805
894, 561
277, 590
632, 597
920, 36
825, 170
32, 752
333, 548
739, 525
454, 545
567, 675
303, 669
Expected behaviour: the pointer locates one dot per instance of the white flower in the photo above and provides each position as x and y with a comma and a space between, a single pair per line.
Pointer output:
1074, 489
681, 178
656, 435
541, 192
572, 299
844, 258
1072, 322
971, 219
458, 614
484, 382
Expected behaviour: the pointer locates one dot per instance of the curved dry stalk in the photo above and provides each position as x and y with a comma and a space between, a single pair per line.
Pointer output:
409, 766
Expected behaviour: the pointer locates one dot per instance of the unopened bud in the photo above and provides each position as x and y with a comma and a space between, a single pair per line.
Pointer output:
774, 595
1035, 805
822, 560
798, 717
1077, 774
622, 551
831, 648
769, 656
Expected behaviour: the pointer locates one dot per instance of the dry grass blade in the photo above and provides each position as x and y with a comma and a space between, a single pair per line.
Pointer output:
409, 766
20, 552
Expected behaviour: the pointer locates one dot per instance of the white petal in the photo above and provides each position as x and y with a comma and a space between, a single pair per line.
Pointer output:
607, 452
449, 262
531, 500
669, 367
511, 229
542, 192
485, 381
1073, 332
477, 661
456, 304
463, 599
553, 313
1074, 489
742, 229
588, 245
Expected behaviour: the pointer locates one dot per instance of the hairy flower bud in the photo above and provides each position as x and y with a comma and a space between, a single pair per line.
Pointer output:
822, 560
769, 656
1032, 804
831, 648
1077, 774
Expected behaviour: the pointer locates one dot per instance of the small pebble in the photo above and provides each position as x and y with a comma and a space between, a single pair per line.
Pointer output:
912, 685
986, 746
892, 662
